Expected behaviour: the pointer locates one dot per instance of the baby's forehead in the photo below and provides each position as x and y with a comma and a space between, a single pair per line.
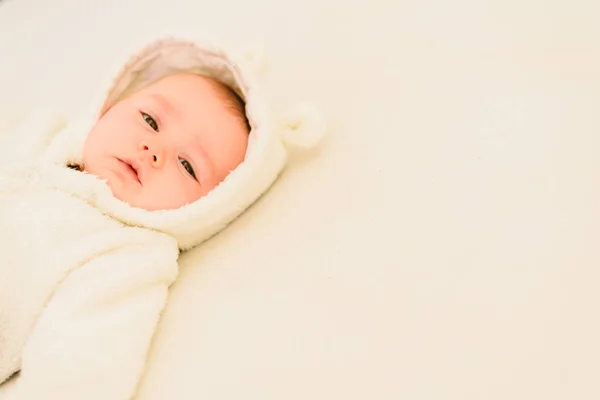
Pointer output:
188, 88
187, 79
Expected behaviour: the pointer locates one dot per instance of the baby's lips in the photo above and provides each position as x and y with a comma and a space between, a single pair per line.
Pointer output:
303, 126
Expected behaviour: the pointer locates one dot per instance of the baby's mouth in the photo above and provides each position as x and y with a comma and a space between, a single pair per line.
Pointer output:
135, 172
132, 169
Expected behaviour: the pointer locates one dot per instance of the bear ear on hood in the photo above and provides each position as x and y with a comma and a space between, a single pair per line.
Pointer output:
251, 57
304, 127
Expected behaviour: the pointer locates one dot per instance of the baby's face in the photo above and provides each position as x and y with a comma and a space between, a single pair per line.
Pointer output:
167, 145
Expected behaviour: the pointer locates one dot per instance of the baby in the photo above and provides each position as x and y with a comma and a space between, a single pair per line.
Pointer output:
94, 213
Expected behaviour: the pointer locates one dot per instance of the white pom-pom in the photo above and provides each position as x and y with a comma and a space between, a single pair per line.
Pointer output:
252, 59
303, 127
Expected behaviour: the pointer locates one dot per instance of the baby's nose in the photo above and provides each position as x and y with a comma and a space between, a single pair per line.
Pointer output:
153, 153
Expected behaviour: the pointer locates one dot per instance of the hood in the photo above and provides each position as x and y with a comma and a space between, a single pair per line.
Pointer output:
271, 136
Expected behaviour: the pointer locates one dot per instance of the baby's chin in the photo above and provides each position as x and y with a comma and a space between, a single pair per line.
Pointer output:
125, 194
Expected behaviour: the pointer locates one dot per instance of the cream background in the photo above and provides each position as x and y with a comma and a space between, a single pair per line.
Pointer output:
443, 243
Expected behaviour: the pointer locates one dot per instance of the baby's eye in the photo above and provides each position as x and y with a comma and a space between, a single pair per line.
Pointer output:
150, 121
188, 167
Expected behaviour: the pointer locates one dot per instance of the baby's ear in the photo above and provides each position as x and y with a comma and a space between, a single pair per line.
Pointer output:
303, 126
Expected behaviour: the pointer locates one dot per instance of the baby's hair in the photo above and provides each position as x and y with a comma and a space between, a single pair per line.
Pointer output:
233, 102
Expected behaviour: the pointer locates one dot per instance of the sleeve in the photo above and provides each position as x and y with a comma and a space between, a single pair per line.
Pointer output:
91, 341
24, 135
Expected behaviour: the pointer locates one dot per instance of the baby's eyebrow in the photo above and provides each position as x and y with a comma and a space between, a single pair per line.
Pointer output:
164, 104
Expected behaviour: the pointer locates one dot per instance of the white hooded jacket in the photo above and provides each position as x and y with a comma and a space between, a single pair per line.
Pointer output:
84, 276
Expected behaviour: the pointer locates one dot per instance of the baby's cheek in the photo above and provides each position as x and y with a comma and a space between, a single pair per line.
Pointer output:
165, 197
119, 190
169, 190
193, 192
